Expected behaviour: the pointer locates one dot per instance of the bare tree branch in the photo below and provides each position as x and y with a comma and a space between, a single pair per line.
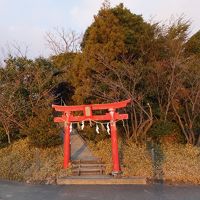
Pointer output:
61, 41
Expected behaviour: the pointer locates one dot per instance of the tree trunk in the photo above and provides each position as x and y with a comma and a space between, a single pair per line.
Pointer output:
198, 141
5, 125
181, 123
8, 136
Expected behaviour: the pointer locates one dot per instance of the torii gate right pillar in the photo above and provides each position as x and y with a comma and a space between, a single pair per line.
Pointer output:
114, 141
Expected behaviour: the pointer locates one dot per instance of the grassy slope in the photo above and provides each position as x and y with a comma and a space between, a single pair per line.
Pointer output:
179, 163
19, 161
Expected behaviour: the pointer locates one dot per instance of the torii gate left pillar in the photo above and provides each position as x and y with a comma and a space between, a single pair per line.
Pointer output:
112, 116
66, 141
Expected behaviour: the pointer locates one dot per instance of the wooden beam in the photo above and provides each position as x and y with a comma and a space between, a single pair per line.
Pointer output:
115, 105
106, 117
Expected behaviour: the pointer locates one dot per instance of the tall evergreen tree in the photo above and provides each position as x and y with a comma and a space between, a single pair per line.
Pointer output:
115, 35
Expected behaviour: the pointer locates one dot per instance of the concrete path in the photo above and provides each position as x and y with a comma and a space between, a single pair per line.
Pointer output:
79, 149
20, 191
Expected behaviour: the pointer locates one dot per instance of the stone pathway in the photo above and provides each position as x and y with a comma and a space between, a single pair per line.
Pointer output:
79, 149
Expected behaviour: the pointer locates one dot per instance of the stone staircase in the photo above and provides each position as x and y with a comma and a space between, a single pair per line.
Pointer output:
84, 163
88, 167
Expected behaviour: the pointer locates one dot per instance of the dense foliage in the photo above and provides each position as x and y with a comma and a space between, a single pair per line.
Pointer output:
122, 56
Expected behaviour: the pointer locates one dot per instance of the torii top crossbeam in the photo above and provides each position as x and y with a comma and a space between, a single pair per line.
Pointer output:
87, 112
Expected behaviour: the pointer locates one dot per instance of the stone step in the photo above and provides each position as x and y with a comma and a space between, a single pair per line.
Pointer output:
87, 173
100, 180
85, 167
88, 166
98, 161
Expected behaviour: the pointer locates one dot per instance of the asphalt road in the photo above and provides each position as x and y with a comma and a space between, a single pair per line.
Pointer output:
21, 191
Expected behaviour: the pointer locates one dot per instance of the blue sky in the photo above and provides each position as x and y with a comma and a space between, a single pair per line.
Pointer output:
27, 21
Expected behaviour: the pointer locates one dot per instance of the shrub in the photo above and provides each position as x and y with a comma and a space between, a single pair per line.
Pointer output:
3, 137
41, 130
14, 135
22, 162
181, 163
165, 130
135, 160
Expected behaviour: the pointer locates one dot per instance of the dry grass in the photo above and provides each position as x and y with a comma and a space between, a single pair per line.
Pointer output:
135, 160
19, 161
180, 163
103, 150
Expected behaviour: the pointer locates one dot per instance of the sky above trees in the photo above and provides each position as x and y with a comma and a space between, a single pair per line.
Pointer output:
25, 21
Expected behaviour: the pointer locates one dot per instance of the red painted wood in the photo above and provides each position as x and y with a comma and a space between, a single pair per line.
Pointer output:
94, 118
115, 154
114, 141
66, 146
115, 105
68, 117
68, 108
66, 140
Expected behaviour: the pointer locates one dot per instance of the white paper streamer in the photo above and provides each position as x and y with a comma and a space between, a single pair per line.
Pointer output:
70, 128
82, 125
108, 128
97, 129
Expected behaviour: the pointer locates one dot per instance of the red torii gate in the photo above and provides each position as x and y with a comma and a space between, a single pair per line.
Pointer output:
68, 117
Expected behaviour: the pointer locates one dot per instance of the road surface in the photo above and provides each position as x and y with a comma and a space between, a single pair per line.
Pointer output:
21, 191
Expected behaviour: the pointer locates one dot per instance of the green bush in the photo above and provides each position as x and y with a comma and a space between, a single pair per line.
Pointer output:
161, 129
3, 138
14, 135
41, 130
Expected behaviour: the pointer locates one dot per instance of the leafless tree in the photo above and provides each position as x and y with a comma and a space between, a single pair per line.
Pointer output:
22, 93
121, 82
16, 50
62, 41
186, 105
8, 106
168, 71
